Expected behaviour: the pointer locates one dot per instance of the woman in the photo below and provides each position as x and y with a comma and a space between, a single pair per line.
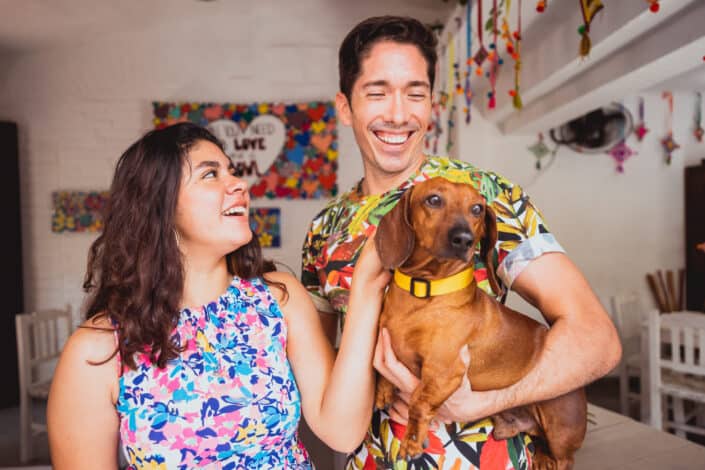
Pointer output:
195, 353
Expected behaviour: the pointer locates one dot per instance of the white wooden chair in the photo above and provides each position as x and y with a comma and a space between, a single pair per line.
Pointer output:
628, 313
676, 368
40, 337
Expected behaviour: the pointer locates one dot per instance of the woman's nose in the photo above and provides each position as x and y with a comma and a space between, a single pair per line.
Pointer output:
237, 184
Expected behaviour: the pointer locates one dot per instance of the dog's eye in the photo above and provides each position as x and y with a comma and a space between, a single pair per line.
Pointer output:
434, 200
476, 209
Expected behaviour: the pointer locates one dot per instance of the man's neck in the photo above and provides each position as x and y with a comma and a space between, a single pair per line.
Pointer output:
375, 182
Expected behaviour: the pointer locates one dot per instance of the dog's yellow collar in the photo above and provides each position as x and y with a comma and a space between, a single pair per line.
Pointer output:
423, 288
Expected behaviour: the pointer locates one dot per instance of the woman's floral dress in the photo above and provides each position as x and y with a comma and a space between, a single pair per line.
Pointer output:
229, 401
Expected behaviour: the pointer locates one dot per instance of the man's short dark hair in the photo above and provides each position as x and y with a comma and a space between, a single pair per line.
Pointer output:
357, 45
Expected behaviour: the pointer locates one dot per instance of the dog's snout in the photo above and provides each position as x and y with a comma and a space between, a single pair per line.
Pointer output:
460, 238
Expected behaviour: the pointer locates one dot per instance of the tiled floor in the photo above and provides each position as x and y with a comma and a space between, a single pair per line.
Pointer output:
604, 393
10, 439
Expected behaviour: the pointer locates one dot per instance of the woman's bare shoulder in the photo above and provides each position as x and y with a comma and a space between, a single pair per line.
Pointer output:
93, 341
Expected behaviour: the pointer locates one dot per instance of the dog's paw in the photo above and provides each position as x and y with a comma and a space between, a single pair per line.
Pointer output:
410, 450
384, 395
541, 461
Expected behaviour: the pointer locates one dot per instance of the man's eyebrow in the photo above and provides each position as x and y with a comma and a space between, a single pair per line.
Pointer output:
411, 84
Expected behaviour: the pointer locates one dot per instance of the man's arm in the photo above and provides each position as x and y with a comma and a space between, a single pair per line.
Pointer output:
329, 322
581, 345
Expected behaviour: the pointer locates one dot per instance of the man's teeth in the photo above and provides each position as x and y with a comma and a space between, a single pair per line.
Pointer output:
393, 138
237, 210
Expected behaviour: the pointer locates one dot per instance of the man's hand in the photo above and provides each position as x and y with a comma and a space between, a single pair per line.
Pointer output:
461, 405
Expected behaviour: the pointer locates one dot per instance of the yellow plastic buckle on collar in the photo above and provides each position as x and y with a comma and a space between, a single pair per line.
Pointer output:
424, 288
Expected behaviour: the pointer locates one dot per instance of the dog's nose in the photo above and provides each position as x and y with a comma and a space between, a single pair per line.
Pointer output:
460, 239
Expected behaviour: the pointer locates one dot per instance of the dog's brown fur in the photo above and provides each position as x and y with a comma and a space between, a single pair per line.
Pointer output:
420, 236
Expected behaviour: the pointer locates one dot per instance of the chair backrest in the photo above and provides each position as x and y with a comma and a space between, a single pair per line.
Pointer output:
628, 313
683, 334
40, 338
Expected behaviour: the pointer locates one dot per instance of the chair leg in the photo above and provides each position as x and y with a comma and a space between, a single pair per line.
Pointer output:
655, 411
624, 392
678, 416
25, 430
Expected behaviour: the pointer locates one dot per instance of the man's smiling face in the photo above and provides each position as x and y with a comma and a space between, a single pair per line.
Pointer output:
390, 108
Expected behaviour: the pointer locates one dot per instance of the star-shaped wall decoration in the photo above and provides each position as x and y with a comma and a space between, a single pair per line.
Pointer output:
641, 131
540, 150
621, 152
670, 146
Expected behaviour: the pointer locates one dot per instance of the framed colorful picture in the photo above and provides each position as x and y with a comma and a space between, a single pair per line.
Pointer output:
265, 223
78, 211
282, 150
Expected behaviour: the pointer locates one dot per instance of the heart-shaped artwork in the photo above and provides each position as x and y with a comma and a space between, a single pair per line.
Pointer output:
252, 149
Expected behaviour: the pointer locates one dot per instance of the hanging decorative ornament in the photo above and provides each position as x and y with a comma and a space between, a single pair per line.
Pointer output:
621, 151
668, 143
589, 8
539, 150
541, 6
654, 6
494, 59
451, 125
456, 60
452, 69
641, 128
516, 97
437, 128
481, 53
698, 132
468, 61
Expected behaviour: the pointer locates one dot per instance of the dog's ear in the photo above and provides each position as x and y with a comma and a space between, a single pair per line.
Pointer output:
487, 247
394, 239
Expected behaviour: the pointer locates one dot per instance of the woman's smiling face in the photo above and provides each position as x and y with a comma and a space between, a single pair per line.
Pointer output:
212, 211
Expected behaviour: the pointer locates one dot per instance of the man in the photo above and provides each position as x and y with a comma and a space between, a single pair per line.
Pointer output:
386, 67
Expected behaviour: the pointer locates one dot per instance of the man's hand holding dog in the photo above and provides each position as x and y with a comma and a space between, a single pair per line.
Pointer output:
462, 406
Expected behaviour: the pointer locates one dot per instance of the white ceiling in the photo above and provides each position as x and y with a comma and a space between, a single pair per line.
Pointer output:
693, 80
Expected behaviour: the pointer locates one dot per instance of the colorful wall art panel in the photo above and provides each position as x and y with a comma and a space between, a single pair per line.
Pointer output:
266, 226
78, 211
283, 150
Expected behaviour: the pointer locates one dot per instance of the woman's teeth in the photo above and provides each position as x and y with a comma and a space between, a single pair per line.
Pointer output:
237, 210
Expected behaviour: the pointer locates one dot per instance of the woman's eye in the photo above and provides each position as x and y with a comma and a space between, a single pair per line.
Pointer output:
210, 174
476, 209
434, 200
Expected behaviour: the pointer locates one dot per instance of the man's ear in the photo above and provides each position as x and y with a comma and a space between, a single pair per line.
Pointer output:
342, 105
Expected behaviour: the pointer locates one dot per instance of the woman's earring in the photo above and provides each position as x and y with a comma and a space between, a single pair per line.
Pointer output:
177, 238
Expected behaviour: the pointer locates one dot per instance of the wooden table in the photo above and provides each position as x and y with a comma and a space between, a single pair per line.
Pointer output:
618, 442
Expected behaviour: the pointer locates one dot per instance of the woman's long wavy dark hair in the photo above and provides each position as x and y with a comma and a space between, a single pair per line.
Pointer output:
135, 274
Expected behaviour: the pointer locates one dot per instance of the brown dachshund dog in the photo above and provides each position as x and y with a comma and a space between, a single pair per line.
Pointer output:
431, 235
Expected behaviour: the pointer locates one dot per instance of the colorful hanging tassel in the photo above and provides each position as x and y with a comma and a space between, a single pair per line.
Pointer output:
668, 142
589, 8
641, 129
698, 132
516, 97
494, 58
468, 62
